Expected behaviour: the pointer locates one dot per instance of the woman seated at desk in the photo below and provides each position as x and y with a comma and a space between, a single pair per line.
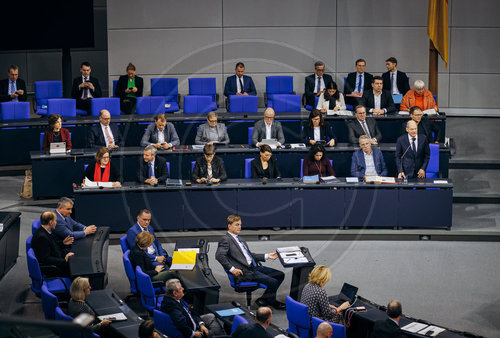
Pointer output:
80, 288
128, 89
331, 99
318, 130
208, 168
138, 257
102, 170
55, 133
316, 163
315, 297
212, 131
265, 165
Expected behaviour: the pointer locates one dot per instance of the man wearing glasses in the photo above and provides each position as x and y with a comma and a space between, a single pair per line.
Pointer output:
316, 83
212, 132
425, 127
363, 125
267, 129
105, 134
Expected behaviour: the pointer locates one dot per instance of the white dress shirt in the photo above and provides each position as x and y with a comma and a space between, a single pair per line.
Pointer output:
161, 136
370, 164
394, 82
89, 94
317, 134
238, 87
268, 130
416, 141
107, 141
247, 256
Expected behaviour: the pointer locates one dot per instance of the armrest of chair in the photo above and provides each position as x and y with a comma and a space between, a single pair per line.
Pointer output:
265, 99
158, 284
50, 269
303, 100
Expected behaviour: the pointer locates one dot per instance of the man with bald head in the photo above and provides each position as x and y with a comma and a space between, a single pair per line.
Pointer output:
258, 329
412, 153
389, 328
268, 128
105, 134
324, 330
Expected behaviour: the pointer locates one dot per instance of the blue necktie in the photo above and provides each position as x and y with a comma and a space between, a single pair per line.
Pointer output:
151, 170
360, 82
246, 250
12, 90
318, 85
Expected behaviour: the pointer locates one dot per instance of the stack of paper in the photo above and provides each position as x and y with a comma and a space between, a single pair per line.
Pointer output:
292, 255
114, 316
89, 184
414, 327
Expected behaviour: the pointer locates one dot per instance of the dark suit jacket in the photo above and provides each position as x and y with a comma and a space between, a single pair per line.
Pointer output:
122, 84
96, 136
259, 132
76, 92
200, 169
358, 165
355, 130
350, 83
48, 138
4, 90
258, 171
230, 87
326, 133
179, 316
385, 101
425, 127
140, 258
251, 331
229, 254
386, 329
310, 85
136, 229
402, 81
47, 250
411, 163
161, 170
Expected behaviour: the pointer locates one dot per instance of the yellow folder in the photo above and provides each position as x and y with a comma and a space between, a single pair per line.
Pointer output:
183, 260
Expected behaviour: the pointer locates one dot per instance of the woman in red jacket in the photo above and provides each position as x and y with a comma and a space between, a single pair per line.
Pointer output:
55, 133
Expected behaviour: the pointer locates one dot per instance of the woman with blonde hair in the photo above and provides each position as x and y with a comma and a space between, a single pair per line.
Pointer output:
316, 298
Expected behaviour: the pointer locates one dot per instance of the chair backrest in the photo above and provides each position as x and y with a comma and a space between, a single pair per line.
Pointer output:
164, 87
433, 165
60, 315
14, 110
129, 271
198, 104
34, 272
115, 82
63, 107
112, 104
45, 90
284, 103
35, 225
123, 243
250, 133
248, 171
49, 303
165, 325
338, 329
237, 320
279, 85
150, 105
202, 86
298, 317
28, 243
145, 288
242, 104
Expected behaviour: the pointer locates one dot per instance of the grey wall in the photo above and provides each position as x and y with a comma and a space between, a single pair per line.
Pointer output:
197, 38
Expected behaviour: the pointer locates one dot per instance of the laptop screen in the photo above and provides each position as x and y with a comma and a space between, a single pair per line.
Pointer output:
349, 292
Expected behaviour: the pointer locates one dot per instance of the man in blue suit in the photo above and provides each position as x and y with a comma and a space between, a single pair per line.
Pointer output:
239, 84
155, 251
66, 226
367, 161
412, 153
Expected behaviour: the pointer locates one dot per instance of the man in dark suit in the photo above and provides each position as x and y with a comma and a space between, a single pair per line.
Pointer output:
363, 125
13, 88
378, 101
187, 322
155, 252
412, 153
267, 128
258, 329
357, 83
48, 251
316, 84
66, 226
85, 88
395, 81
426, 127
151, 169
367, 161
239, 84
236, 258
389, 328
105, 134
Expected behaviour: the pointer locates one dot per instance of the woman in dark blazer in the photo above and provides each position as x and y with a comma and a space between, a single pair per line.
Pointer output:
102, 170
128, 88
209, 168
317, 129
265, 165
316, 163
55, 133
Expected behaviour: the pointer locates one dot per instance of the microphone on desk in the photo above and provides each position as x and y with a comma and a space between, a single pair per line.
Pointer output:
402, 156
117, 299
264, 180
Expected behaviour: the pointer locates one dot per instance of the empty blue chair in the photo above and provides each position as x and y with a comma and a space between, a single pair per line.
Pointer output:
247, 287
204, 87
282, 86
123, 243
49, 303
63, 107
112, 104
28, 243
237, 320
150, 105
298, 318
338, 329
45, 90
54, 285
198, 104
169, 89
35, 225
149, 299
248, 171
250, 133
165, 325
432, 170
285, 103
14, 110
115, 82
242, 104
129, 271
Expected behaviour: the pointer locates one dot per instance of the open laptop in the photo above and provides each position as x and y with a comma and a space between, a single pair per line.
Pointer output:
57, 148
347, 294
270, 142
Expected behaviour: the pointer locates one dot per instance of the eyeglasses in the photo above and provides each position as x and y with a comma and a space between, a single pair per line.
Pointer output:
105, 157
268, 117
106, 118
212, 121
209, 155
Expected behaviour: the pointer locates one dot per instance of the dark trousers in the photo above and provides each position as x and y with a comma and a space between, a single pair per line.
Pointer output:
128, 105
271, 278
83, 105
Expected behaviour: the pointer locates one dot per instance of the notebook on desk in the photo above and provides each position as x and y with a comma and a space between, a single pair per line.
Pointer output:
347, 294
57, 148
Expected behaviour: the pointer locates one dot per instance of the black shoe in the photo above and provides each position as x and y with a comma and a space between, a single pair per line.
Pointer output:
261, 302
278, 305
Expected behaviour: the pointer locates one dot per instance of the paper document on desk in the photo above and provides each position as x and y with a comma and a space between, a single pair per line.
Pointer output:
431, 331
329, 179
183, 260
295, 260
198, 146
404, 113
339, 112
288, 249
114, 316
89, 184
230, 312
430, 112
197, 250
297, 145
414, 327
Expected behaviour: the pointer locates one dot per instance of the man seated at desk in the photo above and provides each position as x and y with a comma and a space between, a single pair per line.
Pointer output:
151, 169
161, 134
389, 328
105, 134
239, 84
412, 153
236, 258
66, 226
363, 125
155, 251
257, 329
48, 251
187, 322
13, 89
267, 129
425, 127
367, 160
378, 101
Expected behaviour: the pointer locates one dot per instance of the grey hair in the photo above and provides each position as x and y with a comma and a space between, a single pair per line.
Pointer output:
419, 84
152, 148
172, 285
63, 201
